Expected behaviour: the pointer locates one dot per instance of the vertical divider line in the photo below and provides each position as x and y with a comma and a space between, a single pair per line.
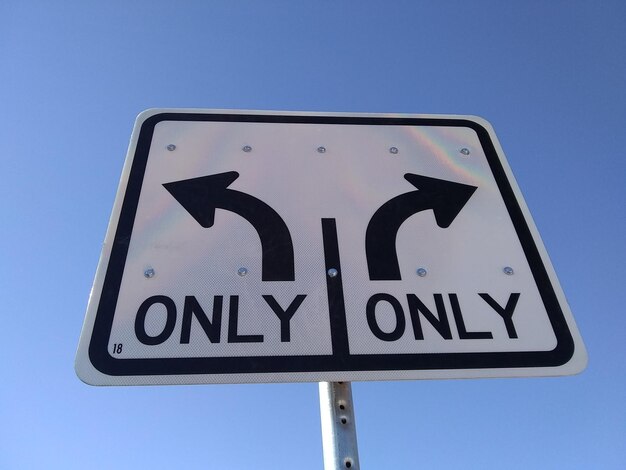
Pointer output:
334, 287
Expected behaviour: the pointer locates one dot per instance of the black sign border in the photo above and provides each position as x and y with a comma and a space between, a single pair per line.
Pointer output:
340, 360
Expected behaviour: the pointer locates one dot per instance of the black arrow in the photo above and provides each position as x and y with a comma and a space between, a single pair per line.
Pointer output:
201, 196
445, 198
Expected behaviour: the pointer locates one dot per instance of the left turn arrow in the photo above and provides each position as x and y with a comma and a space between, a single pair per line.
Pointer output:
201, 196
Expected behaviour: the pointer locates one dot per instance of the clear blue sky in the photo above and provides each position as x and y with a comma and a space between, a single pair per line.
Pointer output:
550, 77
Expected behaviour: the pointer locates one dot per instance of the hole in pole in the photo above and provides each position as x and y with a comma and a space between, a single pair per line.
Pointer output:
348, 463
344, 420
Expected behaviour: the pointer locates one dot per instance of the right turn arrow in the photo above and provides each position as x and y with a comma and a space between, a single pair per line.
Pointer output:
445, 198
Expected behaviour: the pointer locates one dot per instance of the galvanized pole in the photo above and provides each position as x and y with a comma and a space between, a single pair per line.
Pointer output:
338, 426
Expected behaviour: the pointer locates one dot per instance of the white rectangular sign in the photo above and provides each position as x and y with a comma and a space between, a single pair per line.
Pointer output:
271, 247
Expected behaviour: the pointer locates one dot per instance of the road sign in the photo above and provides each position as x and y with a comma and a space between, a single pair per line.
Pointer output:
276, 246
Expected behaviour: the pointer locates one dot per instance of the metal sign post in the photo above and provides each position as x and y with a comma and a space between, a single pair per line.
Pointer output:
338, 426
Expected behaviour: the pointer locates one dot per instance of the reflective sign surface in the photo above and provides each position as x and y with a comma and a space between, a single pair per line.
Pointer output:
259, 247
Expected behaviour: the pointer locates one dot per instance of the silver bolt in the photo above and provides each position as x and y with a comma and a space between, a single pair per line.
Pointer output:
332, 272
171, 147
421, 272
246, 148
508, 270
321, 149
149, 273
465, 151
393, 150
242, 271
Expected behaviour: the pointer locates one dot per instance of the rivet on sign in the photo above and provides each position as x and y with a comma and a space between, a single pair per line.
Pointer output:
149, 273
465, 151
171, 147
332, 272
242, 271
421, 272
246, 148
393, 150
321, 149
508, 270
